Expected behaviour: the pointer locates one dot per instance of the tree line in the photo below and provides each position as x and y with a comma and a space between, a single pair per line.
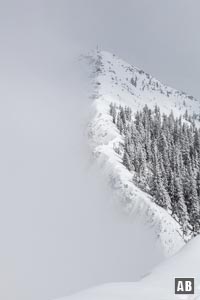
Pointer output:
163, 153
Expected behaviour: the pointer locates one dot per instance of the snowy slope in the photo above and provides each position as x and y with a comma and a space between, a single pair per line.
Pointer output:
159, 285
133, 87
114, 80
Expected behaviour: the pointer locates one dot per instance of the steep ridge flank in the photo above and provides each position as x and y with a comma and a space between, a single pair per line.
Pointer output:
122, 84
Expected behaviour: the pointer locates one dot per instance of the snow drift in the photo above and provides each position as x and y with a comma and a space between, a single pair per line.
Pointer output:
156, 286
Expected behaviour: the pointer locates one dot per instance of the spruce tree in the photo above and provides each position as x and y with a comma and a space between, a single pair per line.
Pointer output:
179, 206
126, 161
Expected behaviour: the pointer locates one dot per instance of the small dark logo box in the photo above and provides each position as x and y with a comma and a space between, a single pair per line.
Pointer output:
184, 286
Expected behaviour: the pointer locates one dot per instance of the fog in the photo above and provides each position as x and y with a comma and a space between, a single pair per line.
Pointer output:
59, 229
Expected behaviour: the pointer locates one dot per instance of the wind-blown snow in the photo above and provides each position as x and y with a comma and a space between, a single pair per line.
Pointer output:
59, 233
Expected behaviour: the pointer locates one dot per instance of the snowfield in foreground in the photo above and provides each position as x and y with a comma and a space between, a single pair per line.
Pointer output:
159, 285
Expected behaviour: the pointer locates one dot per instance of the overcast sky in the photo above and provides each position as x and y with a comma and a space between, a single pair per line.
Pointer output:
53, 225
159, 36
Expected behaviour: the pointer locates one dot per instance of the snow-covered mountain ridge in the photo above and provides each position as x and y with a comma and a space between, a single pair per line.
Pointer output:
135, 88
118, 82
